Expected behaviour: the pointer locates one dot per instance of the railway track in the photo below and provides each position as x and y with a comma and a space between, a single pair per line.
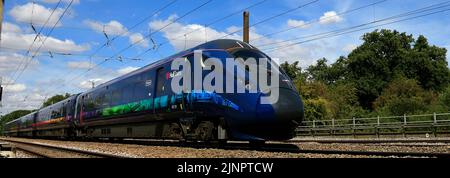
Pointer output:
283, 147
52, 151
287, 147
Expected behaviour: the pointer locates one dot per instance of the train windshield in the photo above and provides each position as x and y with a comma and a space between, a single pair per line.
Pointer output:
246, 53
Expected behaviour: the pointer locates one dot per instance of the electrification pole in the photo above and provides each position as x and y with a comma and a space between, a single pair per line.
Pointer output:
1, 22
1, 17
246, 26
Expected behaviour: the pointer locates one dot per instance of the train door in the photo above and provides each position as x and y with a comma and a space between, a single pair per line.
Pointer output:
160, 98
33, 132
79, 110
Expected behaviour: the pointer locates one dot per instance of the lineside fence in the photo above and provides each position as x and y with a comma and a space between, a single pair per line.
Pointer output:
427, 125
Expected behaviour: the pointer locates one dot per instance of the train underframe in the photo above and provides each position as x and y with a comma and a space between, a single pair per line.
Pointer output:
183, 129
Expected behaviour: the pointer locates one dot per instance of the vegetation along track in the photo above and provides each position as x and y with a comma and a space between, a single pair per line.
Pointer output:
51, 151
369, 141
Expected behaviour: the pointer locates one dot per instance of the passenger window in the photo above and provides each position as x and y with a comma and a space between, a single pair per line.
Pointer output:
106, 97
128, 94
116, 97
140, 91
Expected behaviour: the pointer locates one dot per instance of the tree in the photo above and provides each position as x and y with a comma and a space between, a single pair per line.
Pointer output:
404, 96
387, 54
444, 98
319, 72
292, 70
55, 99
328, 74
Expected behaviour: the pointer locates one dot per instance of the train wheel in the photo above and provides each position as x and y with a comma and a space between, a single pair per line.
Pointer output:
205, 131
175, 132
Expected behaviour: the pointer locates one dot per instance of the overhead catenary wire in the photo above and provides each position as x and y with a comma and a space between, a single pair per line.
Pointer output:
112, 39
43, 42
37, 51
273, 17
139, 41
207, 25
134, 26
255, 24
37, 36
358, 27
317, 20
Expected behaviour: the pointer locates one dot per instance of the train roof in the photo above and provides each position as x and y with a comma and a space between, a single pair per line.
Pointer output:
215, 44
18, 119
59, 102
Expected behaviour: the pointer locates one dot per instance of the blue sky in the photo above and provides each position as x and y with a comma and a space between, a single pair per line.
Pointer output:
81, 32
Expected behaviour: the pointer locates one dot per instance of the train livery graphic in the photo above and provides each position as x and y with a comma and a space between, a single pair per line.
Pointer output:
141, 104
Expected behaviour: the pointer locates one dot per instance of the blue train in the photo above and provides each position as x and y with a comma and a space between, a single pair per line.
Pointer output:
140, 104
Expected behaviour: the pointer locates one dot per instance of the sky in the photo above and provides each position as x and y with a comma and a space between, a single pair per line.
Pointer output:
92, 41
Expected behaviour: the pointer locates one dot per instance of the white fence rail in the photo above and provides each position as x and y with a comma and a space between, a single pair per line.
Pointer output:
435, 123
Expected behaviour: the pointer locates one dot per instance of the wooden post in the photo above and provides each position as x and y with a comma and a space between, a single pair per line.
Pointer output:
404, 119
377, 131
404, 125
434, 118
332, 127
246, 27
313, 129
434, 127
353, 129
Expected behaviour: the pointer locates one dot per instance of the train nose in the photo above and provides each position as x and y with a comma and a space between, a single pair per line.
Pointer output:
288, 110
278, 120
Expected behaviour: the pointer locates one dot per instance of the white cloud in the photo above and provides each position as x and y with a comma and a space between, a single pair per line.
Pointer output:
330, 17
113, 27
307, 53
87, 84
175, 33
79, 64
21, 100
126, 70
10, 62
297, 24
10, 28
139, 39
14, 88
24, 41
56, 1
37, 14
448, 52
232, 29
349, 48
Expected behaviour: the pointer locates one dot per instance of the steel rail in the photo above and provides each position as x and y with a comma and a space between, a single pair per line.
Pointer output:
65, 149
